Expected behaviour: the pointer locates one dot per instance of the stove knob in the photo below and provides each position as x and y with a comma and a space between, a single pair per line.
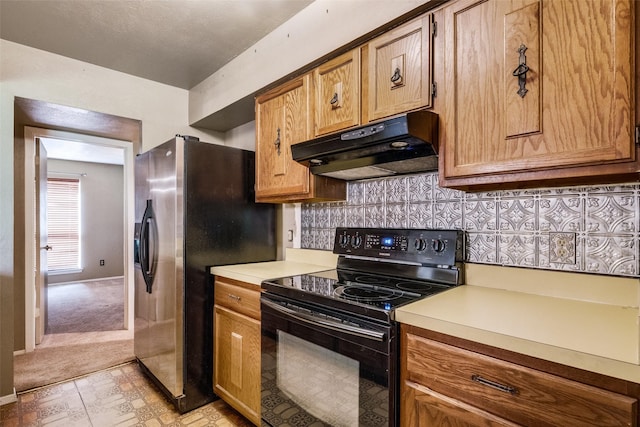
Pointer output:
438, 245
356, 241
343, 240
420, 244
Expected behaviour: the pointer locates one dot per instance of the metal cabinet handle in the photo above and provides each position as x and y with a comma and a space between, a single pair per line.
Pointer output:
47, 248
234, 297
277, 142
497, 386
334, 99
521, 71
397, 77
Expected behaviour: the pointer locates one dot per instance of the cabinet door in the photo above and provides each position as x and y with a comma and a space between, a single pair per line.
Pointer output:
573, 105
424, 407
237, 362
281, 120
399, 70
337, 93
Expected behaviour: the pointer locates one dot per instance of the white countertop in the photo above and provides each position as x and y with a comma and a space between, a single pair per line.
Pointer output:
297, 261
585, 321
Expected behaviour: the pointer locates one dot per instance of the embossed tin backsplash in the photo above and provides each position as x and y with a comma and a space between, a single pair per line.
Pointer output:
591, 229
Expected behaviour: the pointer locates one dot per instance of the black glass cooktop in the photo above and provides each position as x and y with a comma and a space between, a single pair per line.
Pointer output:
338, 288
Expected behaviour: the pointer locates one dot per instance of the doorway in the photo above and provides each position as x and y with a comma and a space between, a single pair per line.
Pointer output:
83, 146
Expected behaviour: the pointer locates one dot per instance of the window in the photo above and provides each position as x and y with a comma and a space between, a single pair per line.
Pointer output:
63, 224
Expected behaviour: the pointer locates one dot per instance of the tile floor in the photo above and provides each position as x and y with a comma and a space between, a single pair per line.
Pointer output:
120, 396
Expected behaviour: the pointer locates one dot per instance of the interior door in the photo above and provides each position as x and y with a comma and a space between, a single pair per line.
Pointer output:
41, 271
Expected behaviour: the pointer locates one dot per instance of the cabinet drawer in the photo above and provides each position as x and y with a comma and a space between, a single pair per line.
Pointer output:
511, 391
239, 299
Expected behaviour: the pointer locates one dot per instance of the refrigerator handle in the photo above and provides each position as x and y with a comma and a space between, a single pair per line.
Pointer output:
148, 256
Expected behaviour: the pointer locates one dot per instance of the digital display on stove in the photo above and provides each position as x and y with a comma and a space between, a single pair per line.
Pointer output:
388, 243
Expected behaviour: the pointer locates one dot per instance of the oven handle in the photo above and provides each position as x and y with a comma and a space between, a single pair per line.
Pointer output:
335, 326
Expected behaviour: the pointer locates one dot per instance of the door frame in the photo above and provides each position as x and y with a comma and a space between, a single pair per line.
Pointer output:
30, 135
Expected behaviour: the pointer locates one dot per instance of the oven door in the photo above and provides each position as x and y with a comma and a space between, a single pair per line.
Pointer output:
322, 367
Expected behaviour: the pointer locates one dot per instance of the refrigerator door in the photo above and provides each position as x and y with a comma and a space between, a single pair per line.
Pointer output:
159, 343
141, 308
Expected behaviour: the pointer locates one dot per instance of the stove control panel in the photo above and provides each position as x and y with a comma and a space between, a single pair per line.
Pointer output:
424, 246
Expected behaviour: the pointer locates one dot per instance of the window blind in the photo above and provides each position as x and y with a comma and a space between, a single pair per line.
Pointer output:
63, 223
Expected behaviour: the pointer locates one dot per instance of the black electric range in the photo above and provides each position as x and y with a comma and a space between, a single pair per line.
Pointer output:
379, 270
329, 340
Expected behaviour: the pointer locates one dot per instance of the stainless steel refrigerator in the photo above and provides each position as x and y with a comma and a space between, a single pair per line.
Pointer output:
194, 207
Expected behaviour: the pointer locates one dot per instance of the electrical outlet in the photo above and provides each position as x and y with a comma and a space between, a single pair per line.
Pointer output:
101, 262
562, 248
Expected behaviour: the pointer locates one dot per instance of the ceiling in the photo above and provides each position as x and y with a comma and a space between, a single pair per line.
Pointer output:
82, 151
176, 42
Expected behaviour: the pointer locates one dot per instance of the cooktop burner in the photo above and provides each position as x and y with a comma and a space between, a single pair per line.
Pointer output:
335, 287
367, 293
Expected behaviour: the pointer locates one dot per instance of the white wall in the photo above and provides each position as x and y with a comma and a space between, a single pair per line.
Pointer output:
243, 136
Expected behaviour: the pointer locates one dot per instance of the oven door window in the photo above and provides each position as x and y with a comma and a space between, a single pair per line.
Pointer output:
320, 381
314, 376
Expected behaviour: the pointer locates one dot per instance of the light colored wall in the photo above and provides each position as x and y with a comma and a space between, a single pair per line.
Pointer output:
102, 222
30, 73
243, 136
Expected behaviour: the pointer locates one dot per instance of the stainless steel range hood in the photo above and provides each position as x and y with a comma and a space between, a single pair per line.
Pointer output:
403, 144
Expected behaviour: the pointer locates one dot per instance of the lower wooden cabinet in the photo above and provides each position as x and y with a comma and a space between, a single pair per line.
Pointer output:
236, 344
428, 408
460, 383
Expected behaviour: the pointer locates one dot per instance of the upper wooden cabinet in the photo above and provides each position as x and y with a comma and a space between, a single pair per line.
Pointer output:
336, 94
398, 74
537, 91
282, 119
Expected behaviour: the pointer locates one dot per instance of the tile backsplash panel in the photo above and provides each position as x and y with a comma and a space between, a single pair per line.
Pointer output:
591, 229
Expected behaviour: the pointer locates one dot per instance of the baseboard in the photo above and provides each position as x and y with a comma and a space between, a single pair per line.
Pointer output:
10, 398
86, 280
19, 352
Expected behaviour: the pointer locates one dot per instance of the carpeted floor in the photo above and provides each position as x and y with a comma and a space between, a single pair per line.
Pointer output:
86, 306
62, 357
85, 335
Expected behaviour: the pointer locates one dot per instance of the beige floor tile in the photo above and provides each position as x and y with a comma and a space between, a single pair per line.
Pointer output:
122, 396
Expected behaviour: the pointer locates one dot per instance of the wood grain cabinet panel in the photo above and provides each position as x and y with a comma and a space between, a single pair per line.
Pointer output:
429, 408
537, 90
283, 119
445, 382
400, 72
337, 93
242, 300
236, 340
